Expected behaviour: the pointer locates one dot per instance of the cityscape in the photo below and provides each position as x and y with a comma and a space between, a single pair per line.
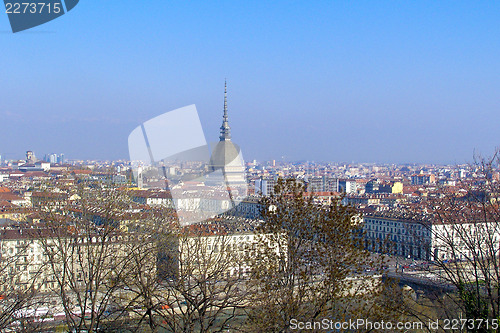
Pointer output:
64, 220
249, 167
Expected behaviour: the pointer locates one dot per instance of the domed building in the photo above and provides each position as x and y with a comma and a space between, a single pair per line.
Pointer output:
226, 158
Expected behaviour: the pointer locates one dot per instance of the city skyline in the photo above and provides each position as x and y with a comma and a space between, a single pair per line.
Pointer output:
174, 166
364, 82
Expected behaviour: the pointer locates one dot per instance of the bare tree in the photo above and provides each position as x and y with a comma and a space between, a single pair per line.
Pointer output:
463, 239
87, 255
307, 264
201, 286
143, 293
20, 281
465, 230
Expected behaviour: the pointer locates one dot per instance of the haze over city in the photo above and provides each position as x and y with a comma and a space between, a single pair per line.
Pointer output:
243, 166
365, 82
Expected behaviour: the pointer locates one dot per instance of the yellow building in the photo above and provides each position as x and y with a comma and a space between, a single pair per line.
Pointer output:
397, 187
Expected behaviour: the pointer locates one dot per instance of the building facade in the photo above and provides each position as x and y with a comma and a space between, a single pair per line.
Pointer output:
423, 240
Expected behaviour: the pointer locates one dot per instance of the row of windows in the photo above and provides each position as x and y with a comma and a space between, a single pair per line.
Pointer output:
393, 237
234, 246
394, 223
235, 238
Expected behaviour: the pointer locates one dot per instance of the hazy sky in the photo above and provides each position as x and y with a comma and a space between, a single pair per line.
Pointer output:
365, 81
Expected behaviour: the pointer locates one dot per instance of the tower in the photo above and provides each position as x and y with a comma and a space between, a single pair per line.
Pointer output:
30, 157
225, 130
226, 155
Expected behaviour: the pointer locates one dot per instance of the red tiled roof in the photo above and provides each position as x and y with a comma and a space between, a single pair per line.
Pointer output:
25, 233
81, 172
4, 204
49, 195
10, 197
36, 174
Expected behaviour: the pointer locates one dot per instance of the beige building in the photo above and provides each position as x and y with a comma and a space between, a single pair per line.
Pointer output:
223, 255
39, 259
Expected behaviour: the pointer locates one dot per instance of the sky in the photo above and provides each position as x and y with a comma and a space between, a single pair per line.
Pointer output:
340, 81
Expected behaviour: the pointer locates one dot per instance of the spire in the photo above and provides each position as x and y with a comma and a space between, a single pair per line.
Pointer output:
225, 130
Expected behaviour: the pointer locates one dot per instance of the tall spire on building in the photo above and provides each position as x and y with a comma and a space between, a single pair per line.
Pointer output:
225, 130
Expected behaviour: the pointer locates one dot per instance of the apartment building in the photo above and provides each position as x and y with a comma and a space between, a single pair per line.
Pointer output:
37, 259
426, 240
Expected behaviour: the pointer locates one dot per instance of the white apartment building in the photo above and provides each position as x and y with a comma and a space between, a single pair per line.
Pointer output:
429, 241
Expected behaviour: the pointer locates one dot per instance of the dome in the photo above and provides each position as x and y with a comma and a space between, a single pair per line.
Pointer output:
225, 154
